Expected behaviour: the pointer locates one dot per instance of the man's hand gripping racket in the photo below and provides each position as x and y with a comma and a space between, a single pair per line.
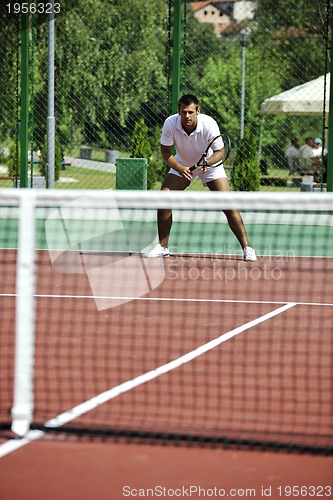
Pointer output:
220, 148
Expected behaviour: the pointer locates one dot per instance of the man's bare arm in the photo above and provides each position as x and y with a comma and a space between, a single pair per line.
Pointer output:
169, 159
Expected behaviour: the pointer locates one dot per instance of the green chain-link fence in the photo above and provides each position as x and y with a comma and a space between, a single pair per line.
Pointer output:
113, 71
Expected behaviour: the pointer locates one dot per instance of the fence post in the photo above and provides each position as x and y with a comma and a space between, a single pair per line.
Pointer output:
176, 54
50, 103
329, 135
24, 130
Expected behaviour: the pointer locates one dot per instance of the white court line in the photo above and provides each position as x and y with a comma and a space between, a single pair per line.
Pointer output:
15, 444
234, 256
171, 299
90, 404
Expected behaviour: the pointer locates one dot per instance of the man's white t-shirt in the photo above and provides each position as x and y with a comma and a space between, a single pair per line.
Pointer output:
191, 147
306, 152
292, 155
292, 151
317, 152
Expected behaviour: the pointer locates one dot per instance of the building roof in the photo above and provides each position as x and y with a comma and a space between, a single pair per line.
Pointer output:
216, 3
200, 5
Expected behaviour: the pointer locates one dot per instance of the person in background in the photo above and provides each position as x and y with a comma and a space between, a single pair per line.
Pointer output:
292, 155
309, 162
318, 152
318, 148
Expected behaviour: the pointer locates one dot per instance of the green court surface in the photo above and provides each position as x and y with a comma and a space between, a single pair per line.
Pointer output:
186, 237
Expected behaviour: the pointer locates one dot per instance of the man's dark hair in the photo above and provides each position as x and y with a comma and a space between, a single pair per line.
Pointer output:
187, 99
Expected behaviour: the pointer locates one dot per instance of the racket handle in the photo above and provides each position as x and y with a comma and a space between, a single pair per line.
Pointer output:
204, 164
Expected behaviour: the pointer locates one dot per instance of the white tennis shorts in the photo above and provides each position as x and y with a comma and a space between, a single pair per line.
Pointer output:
210, 175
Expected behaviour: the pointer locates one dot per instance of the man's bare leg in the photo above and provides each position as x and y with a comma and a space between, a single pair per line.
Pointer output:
164, 216
234, 218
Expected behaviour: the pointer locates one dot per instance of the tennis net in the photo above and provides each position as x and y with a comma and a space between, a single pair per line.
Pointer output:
198, 348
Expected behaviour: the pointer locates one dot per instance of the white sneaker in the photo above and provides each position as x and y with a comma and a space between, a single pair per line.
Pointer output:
157, 251
249, 254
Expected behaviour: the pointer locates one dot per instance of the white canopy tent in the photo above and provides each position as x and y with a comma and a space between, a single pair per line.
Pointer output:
305, 99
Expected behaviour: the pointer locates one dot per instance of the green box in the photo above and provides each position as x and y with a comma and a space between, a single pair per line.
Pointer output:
131, 173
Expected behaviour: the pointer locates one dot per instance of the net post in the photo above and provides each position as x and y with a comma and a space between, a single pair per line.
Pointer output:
22, 409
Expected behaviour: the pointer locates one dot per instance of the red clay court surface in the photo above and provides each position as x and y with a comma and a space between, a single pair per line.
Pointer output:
231, 294
86, 471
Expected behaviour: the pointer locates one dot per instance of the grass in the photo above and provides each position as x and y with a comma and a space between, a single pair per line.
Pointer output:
278, 172
84, 178
96, 155
6, 184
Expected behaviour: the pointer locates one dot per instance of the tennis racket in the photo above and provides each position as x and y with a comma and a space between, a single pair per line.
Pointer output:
220, 159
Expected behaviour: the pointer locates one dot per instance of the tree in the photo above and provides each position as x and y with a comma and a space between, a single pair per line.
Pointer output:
294, 35
246, 171
141, 149
112, 67
8, 83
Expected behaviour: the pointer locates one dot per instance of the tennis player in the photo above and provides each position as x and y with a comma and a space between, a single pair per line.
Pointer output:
190, 131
